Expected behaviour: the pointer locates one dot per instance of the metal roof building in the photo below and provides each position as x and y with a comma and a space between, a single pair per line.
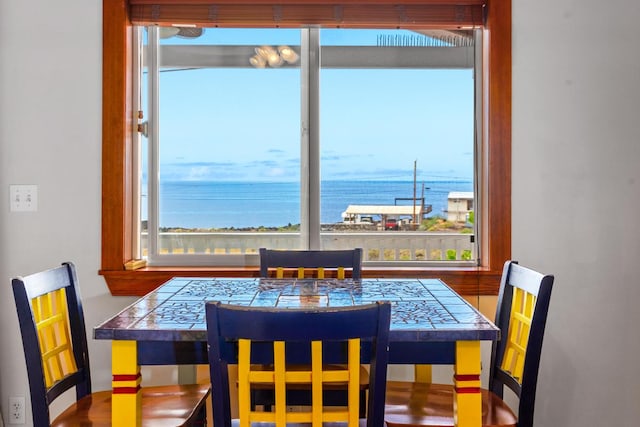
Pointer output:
386, 210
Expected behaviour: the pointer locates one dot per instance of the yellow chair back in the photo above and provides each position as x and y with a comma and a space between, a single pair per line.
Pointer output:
280, 377
522, 309
52, 323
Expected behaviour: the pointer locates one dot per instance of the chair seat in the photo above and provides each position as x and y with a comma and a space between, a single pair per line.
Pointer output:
422, 404
161, 407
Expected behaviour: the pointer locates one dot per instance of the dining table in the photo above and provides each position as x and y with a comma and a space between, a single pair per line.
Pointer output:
430, 324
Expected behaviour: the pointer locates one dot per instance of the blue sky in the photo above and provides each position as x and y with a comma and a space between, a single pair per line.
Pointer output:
243, 124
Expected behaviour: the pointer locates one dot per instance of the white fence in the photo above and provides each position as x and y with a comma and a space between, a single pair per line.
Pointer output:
377, 246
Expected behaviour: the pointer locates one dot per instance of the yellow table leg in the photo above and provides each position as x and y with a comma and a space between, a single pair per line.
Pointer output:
467, 398
126, 400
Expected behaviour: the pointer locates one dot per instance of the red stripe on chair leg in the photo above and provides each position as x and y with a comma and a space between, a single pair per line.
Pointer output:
125, 390
467, 390
469, 377
128, 377
466, 378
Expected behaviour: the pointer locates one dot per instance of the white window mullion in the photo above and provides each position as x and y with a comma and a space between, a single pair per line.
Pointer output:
153, 68
304, 138
136, 137
479, 132
312, 96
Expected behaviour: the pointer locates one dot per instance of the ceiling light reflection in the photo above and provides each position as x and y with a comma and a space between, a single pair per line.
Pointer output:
288, 54
257, 61
273, 57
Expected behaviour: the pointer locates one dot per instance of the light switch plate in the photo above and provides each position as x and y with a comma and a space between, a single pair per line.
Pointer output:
23, 198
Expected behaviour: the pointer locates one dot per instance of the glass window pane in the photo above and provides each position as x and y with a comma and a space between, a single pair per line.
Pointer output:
229, 135
396, 126
397, 140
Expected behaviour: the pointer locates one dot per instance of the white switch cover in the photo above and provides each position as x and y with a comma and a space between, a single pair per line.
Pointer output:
23, 198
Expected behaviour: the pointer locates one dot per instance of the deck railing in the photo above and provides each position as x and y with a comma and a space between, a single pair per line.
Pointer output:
377, 246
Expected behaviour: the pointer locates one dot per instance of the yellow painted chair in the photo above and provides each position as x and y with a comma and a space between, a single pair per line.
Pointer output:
255, 337
318, 264
521, 315
314, 262
55, 348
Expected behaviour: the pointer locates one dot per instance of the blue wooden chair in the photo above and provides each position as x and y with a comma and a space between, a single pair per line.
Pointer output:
315, 263
55, 348
521, 315
266, 342
318, 261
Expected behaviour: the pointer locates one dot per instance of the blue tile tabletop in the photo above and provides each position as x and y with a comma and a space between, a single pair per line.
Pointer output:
421, 309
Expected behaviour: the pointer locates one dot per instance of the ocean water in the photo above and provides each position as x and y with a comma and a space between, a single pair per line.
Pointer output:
198, 204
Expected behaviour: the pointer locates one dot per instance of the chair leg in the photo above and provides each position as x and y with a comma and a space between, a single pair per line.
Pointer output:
201, 418
423, 374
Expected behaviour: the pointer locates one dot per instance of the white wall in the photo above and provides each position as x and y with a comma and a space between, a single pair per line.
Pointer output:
576, 143
50, 135
576, 199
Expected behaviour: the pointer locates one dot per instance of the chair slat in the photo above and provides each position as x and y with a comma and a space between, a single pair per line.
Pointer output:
317, 376
279, 368
244, 364
354, 381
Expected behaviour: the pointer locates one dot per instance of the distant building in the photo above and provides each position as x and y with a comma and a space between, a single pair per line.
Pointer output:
387, 216
460, 203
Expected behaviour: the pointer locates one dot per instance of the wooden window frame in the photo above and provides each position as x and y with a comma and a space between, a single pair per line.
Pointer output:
117, 180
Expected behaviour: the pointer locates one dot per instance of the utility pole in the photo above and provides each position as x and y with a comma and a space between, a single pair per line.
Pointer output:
422, 198
415, 219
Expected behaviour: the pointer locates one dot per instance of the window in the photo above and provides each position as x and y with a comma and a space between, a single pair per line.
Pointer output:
286, 138
492, 206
